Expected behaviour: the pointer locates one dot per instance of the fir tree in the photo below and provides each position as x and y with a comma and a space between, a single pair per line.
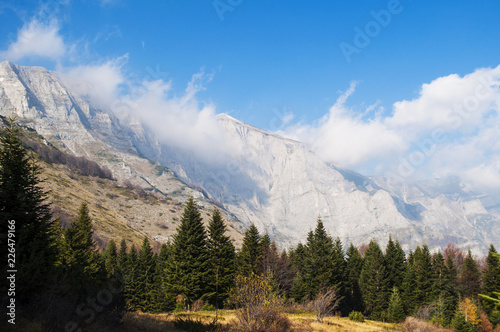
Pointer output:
251, 252
144, 283
339, 277
395, 312
188, 269
131, 276
470, 278
422, 267
122, 256
354, 266
491, 282
318, 265
84, 265
443, 291
374, 283
298, 257
23, 207
395, 260
111, 258
222, 260
409, 286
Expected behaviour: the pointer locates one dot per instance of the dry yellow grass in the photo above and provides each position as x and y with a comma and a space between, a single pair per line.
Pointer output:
301, 322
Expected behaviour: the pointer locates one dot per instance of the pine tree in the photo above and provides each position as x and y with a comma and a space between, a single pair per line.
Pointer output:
422, 267
187, 272
443, 291
374, 282
409, 286
131, 275
111, 258
251, 252
395, 260
122, 256
339, 277
84, 264
469, 278
395, 312
354, 265
298, 257
318, 265
161, 302
222, 260
143, 297
491, 282
22, 201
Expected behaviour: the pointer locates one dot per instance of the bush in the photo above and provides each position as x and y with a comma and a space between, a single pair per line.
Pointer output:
356, 316
179, 306
208, 307
259, 307
197, 305
196, 325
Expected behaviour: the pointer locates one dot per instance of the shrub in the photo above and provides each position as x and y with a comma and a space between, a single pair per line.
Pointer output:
196, 325
259, 307
412, 324
179, 306
356, 316
208, 307
325, 303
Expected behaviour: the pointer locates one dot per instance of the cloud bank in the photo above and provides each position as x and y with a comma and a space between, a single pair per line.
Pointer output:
451, 128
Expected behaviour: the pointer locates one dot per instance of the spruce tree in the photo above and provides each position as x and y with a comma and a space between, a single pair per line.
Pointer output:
318, 265
251, 252
84, 264
395, 260
122, 256
422, 267
187, 272
409, 286
131, 276
395, 312
469, 278
111, 258
339, 277
443, 291
23, 207
491, 282
354, 266
222, 260
143, 298
374, 282
298, 257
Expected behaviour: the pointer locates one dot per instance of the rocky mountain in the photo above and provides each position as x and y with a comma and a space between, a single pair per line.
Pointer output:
276, 183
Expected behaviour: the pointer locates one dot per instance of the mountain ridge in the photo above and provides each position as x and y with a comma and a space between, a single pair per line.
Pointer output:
278, 184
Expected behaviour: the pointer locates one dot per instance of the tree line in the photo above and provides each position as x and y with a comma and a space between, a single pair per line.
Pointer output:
64, 281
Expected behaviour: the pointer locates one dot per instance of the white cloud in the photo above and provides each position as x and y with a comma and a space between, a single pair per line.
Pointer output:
98, 83
451, 128
36, 39
344, 138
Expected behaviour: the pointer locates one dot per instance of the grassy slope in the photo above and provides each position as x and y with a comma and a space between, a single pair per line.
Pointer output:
119, 212
301, 322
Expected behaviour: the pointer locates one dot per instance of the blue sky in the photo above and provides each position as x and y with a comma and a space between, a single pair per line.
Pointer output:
282, 66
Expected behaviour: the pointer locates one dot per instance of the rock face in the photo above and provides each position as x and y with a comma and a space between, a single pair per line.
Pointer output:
276, 183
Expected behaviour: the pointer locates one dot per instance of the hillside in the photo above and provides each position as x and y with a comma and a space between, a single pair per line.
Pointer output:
118, 209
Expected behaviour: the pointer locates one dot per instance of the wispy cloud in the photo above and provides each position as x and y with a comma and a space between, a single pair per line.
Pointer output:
451, 128
36, 39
